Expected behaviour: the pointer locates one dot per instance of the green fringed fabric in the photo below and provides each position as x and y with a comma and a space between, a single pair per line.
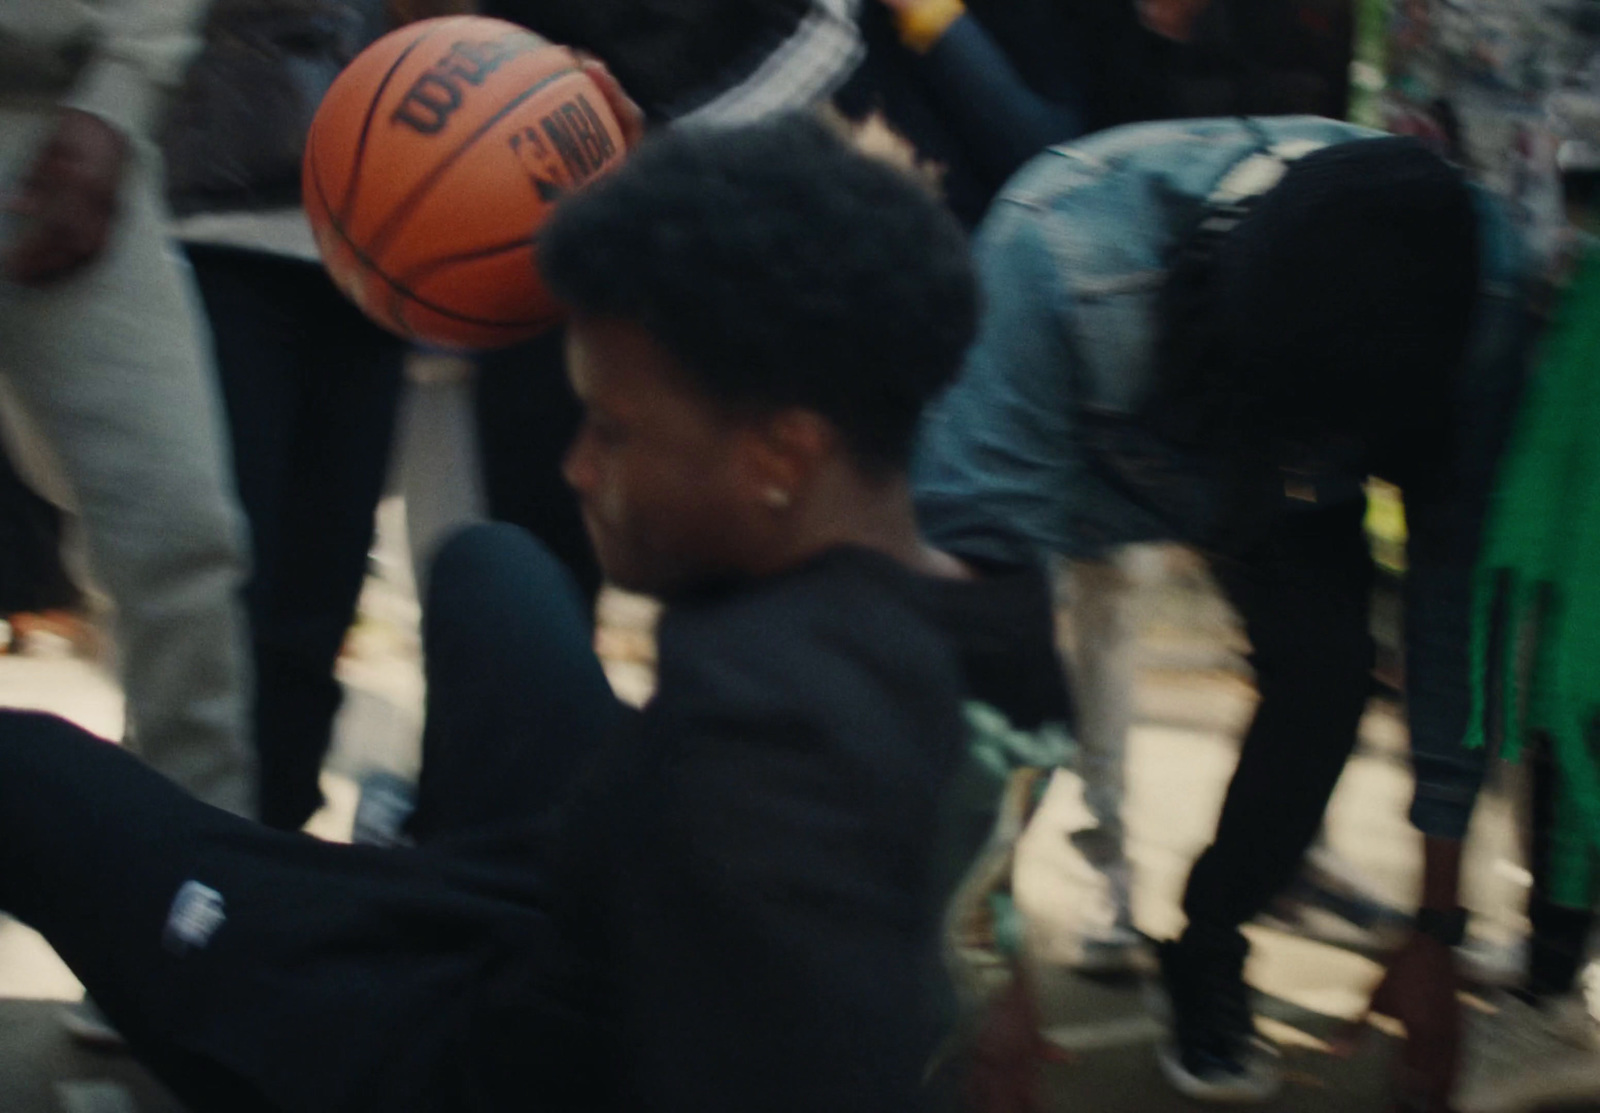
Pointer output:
1536, 629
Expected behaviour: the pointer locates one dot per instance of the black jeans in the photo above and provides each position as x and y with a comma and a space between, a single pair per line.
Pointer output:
32, 576
527, 416
311, 389
1304, 594
337, 978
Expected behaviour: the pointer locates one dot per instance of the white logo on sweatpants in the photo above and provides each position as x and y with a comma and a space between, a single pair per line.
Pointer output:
197, 912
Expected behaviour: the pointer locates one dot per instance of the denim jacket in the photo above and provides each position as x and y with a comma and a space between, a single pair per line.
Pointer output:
1072, 260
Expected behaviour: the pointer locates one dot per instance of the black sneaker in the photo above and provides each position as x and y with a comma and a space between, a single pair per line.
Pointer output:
1212, 1052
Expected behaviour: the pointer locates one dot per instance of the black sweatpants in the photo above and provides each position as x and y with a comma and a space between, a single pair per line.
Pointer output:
254, 969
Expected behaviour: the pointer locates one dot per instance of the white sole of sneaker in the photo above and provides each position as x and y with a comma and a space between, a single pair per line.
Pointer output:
1249, 1089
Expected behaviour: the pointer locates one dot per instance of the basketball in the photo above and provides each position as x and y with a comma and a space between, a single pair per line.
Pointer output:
430, 165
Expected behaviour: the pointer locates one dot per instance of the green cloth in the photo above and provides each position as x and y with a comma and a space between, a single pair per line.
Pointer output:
1541, 567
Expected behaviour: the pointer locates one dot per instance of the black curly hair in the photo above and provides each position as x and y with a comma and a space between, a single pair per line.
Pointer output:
779, 267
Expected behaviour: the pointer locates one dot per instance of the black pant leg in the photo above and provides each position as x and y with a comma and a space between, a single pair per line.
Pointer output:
1304, 597
95, 848
252, 969
347, 378
527, 417
1559, 941
311, 389
339, 979
517, 699
32, 576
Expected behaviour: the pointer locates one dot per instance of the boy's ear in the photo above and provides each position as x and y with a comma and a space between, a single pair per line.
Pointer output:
784, 452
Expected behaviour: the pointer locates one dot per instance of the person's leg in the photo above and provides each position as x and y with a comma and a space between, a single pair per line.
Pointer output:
255, 319
1538, 1046
312, 388
440, 466
348, 375
516, 696
253, 969
1102, 688
32, 576
1304, 600
94, 849
1303, 596
1559, 939
297, 975
109, 366
527, 416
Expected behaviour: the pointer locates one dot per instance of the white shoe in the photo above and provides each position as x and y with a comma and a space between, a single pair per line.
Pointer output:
85, 1023
1524, 1057
1116, 952
1493, 964
1250, 1079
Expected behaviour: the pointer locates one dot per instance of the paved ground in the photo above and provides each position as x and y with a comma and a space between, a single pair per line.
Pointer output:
1182, 756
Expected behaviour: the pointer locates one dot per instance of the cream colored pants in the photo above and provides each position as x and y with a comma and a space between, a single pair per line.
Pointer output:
111, 408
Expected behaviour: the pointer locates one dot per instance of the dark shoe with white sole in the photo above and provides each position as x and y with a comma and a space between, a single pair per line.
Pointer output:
1212, 1052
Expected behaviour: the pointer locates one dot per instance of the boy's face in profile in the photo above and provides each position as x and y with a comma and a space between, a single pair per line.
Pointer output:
663, 475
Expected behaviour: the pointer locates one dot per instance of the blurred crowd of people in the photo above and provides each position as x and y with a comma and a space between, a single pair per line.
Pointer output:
1198, 307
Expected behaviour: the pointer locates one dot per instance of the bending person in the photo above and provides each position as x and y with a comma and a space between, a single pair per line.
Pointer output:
1213, 332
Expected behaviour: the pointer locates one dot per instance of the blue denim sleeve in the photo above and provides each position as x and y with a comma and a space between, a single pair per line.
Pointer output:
1445, 520
998, 450
1438, 634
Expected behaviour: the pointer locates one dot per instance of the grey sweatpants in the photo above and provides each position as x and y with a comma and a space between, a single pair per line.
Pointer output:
110, 408
1101, 678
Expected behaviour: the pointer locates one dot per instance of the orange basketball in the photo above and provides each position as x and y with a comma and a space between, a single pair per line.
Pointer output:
431, 164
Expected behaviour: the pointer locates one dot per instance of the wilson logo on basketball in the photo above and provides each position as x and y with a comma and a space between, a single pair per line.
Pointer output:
571, 138
433, 97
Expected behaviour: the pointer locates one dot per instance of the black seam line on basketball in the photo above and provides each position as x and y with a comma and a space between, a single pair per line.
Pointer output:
423, 270
403, 209
366, 124
397, 309
366, 261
